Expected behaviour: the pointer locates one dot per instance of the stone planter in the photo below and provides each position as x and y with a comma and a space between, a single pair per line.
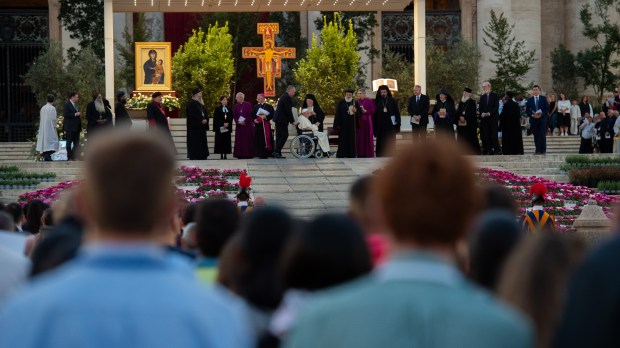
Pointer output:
592, 224
137, 114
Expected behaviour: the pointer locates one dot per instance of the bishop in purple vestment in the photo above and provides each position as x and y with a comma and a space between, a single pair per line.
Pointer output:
365, 142
244, 132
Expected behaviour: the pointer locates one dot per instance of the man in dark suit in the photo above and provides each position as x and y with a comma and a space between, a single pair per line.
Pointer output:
72, 126
282, 118
418, 109
537, 109
489, 113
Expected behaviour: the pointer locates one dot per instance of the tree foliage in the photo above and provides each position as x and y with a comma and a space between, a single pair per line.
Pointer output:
126, 68
84, 19
564, 72
330, 65
363, 26
454, 67
242, 27
396, 66
597, 64
50, 74
204, 61
512, 61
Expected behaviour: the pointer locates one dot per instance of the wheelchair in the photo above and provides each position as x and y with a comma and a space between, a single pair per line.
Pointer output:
306, 145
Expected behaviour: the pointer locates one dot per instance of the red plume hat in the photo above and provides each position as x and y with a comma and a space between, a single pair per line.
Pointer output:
538, 191
244, 185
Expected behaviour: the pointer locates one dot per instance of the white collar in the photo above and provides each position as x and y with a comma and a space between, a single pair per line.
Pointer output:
538, 207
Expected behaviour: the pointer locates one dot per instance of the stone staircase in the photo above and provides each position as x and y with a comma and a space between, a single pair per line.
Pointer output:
555, 145
15, 151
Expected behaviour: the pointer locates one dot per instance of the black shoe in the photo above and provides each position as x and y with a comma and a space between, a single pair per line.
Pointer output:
274, 155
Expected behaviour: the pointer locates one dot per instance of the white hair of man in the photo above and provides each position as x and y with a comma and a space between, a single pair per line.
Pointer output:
290, 88
99, 105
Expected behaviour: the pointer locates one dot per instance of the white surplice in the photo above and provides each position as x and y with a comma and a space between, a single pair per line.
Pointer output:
47, 139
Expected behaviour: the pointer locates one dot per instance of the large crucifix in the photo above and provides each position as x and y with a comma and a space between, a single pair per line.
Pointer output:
268, 58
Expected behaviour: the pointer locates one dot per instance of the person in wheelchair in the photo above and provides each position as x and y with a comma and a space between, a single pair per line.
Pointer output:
306, 125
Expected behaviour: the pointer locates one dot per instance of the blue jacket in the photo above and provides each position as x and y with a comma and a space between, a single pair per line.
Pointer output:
543, 105
414, 300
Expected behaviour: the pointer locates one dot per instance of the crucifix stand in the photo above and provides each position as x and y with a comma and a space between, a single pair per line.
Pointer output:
268, 58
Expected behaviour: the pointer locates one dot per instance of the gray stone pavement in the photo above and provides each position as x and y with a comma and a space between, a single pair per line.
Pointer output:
306, 187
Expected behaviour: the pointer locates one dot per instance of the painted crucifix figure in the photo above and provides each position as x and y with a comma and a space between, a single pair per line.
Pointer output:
268, 58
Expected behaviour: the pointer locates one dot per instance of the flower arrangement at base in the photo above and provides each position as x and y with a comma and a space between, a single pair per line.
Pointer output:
170, 102
138, 101
48, 194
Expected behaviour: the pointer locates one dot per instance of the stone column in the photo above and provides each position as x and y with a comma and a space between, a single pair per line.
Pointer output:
592, 224
483, 17
419, 43
377, 43
303, 23
467, 20
108, 36
527, 17
54, 23
553, 34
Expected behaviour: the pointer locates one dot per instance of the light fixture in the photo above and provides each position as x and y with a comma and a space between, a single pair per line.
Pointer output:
351, 3
368, 2
253, 2
152, 3
168, 3
135, 2
269, 3
219, 2
285, 2
185, 3
203, 3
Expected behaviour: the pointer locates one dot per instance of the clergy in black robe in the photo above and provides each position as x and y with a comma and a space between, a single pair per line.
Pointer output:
122, 119
510, 126
444, 122
197, 127
156, 116
317, 117
98, 116
467, 122
263, 138
386, 121
345, 121
222, 126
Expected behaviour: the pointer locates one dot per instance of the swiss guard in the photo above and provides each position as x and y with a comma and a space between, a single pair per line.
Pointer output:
243, 197
537, 219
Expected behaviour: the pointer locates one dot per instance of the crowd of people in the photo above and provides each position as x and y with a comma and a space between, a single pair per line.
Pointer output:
365, 127
425, 257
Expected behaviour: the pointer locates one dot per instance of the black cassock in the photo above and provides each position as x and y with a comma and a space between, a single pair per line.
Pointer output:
510, 126
444, 124
468, 134
347, 129
197, 148
222, 140
384, 129
261, 137
157, 120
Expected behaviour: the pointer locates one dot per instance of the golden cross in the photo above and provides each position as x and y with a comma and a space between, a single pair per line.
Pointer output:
268, 58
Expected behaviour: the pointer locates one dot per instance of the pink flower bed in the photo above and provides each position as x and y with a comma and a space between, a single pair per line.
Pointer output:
565, 201
210, 182
48, 194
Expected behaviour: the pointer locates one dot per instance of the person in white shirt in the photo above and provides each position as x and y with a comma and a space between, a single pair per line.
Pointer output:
305, 124
587, 134
47, 138
564, 114
575, 116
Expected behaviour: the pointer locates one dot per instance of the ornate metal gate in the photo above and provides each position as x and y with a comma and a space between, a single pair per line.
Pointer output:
443, 26
23, 35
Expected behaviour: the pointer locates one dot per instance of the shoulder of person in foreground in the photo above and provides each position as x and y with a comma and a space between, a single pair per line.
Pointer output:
329, 316
175, 305
592, 310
